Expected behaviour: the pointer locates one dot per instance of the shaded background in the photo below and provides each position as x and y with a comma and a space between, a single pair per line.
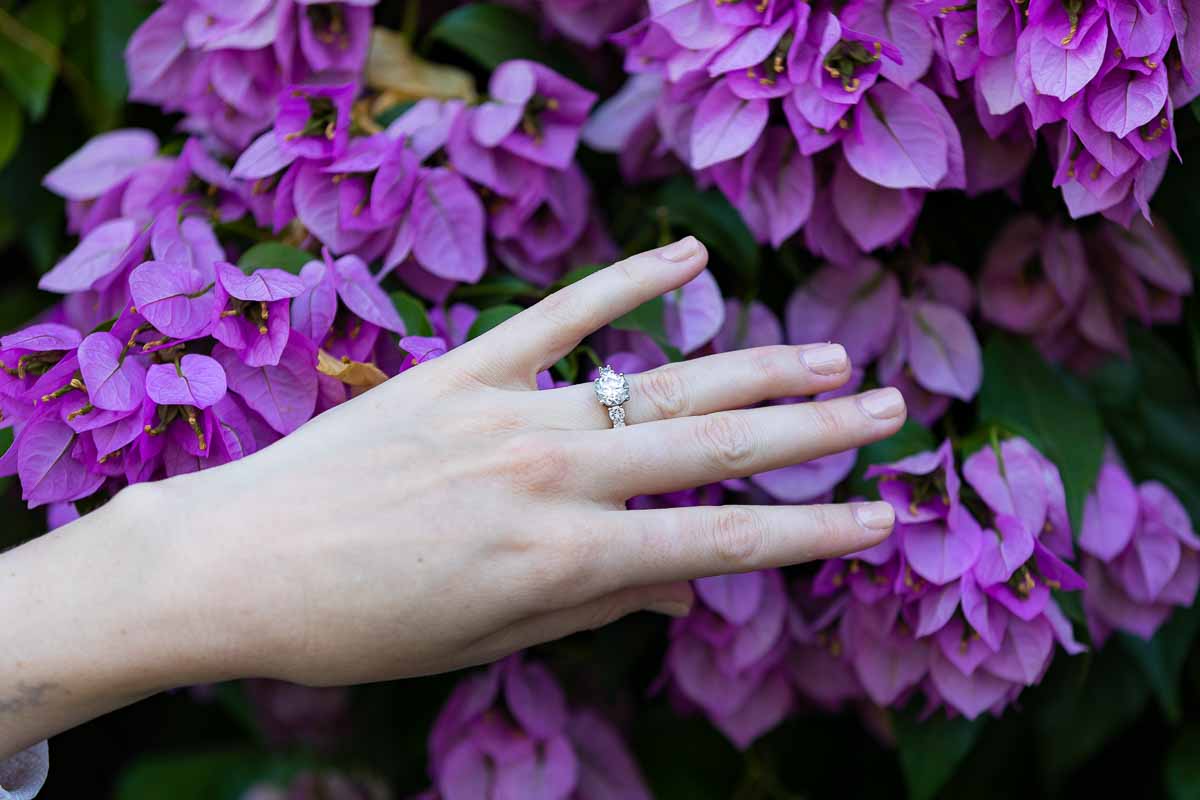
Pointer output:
1123, 721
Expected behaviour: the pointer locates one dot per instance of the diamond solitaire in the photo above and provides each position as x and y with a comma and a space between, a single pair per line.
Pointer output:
612, 389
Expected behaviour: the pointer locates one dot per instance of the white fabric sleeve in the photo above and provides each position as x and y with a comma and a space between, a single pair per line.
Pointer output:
22, 776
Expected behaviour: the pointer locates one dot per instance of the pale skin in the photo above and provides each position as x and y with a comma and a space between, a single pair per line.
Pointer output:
446, 518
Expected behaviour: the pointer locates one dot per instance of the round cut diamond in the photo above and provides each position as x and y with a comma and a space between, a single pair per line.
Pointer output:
611, 387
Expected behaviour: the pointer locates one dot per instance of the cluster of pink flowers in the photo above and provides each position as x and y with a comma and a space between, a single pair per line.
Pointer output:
959, 606
902, 98
508, 731
411, 195
1072, 293
223, 63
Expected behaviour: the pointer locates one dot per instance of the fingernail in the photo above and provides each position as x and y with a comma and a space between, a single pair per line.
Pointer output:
672, 608
877, 516
882, 403
828, 359
682, 250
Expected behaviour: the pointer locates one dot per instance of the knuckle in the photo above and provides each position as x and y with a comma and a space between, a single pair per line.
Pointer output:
826, 420
728, 440
536, 464
773, 365
738, 536
561, 309
667, 393
630, 270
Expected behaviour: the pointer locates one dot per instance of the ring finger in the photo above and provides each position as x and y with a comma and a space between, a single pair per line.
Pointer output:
701, 386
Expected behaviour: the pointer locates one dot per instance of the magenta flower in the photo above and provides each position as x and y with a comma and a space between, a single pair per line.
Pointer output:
508, 732
1141, 556
314, 118
957, 603
726, 657
533, 112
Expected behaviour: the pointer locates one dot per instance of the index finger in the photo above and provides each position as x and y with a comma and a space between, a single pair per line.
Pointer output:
524, 345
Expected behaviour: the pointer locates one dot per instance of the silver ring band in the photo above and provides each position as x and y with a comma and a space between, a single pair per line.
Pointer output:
612, 390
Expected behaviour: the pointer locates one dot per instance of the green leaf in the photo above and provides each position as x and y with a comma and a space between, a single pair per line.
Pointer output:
648, 319
114, 21
495, 289
275, 255
1153, 413
1028, 397
1181, 770
912, 438
1084, 702
491, 317
1161, 659
492, 34
716, 223
931, 749
567, 367
222, 775
29, 42
11, 124
416, 321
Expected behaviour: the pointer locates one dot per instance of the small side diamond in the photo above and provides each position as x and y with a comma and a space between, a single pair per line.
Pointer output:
617, 415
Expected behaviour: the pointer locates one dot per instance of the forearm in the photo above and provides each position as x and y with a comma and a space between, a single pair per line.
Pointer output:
101, 613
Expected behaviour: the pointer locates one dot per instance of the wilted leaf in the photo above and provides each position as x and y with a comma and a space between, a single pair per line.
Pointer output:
401, 75
359, 375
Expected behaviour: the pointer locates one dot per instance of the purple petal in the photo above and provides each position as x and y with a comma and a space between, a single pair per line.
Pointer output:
970, 695
262, 285
734, 597
314, 309
550, 773
607, 771
46, 468
115, 382
448, 224
262, 158
1124, 100
873, 215
1060, 72
103, 163
535, 698
943, 351
725, 126
285, 394
938, 554
694, 313
1109, 513
96, 257
42, 338
173, 299
936, 608
897, 141
196, 381
362, 295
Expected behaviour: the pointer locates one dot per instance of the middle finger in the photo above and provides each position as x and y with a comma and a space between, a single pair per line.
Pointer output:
676, 454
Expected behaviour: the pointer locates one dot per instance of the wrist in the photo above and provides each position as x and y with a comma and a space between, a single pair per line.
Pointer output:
196, 570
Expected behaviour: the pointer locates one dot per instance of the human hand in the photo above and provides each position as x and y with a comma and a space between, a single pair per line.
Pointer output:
454, 514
